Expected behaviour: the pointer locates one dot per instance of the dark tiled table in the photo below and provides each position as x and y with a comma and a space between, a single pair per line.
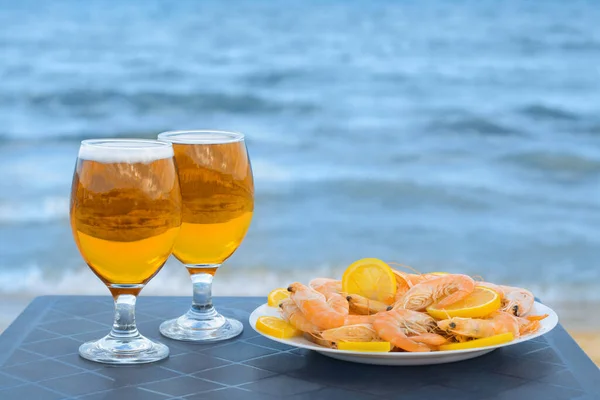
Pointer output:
39, 360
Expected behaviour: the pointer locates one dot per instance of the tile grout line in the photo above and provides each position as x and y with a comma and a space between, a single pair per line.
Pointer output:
216, 390
554, 384
535, 351
56, 358
111, 389
20, 382
59, 336
540, 361
41, 381
36, 384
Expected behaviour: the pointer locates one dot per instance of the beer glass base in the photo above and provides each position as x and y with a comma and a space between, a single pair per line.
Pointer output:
113, 350
201, 331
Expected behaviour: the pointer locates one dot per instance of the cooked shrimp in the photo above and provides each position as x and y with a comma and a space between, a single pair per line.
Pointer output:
441, 290
364, 306
351, 333
515, 300
326, 285
499, 322
325, 311
290, 312
391, 327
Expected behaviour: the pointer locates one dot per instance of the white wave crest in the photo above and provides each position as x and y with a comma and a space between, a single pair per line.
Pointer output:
173, 280
39, 210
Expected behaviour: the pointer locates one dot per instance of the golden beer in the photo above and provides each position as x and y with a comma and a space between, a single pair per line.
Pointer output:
125, 217
217, 191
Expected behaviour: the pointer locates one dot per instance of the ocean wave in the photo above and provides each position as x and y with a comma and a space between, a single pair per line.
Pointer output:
60, 136
270, 172
472, 124
544, 112
104, 102
569, 39
76, 135
45, 210
274, 78
592, 128
556, 162
171, 280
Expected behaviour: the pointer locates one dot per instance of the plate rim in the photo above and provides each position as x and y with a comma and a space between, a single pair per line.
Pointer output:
553, 322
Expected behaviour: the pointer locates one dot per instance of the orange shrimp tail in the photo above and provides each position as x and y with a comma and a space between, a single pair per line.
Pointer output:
408, 344
431, 339
536, 317
531, 327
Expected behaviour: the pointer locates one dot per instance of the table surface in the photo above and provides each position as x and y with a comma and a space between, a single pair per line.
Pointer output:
39, 360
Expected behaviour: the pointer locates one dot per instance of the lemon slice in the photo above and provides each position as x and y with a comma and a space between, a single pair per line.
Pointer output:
382, 347
277, 327
370, 278
472, 344
277, 296
483, 301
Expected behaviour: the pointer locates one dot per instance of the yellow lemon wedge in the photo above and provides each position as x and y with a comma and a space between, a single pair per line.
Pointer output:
276, 327
370, 278
277, 296
472, 344
382, 347
483, 301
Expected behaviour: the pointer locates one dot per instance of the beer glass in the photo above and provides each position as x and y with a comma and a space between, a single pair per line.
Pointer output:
125, 216
217, 191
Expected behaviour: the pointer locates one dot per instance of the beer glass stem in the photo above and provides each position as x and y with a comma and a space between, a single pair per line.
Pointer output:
201, 323
202, 296
124, 324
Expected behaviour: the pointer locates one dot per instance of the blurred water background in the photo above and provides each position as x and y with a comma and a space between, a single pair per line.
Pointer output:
456, 136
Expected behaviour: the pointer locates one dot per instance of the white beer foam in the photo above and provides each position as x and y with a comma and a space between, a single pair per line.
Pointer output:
124, 150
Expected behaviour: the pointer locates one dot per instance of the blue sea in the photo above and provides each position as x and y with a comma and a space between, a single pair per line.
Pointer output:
446, 135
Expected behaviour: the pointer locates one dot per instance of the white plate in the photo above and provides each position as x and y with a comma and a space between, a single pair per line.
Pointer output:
397, 358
